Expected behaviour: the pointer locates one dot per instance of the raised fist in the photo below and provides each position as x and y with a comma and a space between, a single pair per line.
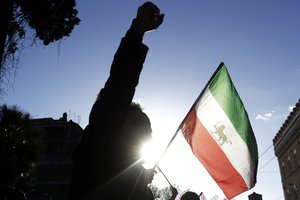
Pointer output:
148, 18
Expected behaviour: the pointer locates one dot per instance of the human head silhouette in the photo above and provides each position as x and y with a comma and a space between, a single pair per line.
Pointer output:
190, 196
137, 129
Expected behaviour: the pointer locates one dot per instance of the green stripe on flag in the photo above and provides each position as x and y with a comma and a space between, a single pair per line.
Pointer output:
226, 95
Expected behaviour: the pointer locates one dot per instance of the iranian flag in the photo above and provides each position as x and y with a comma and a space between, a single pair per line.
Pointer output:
220, 135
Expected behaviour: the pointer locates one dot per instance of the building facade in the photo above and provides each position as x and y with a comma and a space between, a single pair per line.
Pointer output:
287, 149
52, 174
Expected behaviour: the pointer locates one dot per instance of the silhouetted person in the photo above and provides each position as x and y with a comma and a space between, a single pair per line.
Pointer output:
106, 162
189, 195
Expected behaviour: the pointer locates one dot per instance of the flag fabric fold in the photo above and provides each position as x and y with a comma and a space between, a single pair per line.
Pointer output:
220, 135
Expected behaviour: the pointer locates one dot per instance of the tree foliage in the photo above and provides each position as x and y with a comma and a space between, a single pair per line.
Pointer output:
163, 193
51, 20
20, 145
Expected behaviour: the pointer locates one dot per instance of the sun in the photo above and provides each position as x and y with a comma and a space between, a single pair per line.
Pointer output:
150, 153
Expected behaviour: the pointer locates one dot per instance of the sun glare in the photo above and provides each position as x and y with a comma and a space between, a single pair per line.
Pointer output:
150, 154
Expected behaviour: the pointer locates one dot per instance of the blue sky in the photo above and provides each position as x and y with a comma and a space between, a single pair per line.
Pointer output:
257, 40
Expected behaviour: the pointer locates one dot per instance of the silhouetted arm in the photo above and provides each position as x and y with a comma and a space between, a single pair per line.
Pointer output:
126, 68
114, 99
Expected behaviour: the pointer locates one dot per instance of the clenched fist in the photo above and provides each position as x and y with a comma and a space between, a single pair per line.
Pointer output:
148, 18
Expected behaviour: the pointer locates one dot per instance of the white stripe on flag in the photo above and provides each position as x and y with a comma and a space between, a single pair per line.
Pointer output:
210, 114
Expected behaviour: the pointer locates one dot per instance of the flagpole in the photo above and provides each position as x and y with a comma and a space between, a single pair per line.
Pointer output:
164, 176
194, 104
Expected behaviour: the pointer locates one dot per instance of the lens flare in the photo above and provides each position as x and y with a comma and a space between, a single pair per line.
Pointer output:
150, 154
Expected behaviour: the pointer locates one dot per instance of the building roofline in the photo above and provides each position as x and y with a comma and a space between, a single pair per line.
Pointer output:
293, 114
49, 121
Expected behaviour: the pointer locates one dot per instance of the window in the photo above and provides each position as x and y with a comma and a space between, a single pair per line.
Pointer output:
282, 168
289, 166
295, 158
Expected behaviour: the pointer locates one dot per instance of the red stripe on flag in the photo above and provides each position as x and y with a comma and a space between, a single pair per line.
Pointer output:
209, 153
